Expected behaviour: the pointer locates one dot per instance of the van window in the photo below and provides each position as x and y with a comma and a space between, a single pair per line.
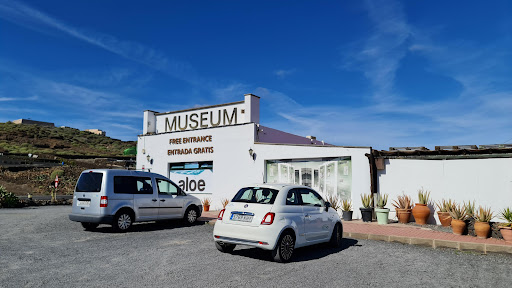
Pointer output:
89, 182
166, 187
132, 185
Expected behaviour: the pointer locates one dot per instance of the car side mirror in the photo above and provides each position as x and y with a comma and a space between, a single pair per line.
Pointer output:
327, 205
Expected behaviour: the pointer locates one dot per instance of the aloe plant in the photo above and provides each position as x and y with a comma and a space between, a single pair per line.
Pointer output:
346, 205
458, 212
470, 209
367, 200
334, 199
382, 200
483, 214
506, 214
423, 196
403, 202
445, 205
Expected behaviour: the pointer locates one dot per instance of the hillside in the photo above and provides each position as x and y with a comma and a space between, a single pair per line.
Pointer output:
54, 141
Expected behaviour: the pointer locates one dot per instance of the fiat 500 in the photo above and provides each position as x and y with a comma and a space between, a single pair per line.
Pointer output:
279, 218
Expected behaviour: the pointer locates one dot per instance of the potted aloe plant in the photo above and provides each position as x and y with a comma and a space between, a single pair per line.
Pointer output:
443, 213
506, 228
403, 208
346, 206
382, 212
470, 220
206, 204
458, 214
367, 209
482, 218
421, 211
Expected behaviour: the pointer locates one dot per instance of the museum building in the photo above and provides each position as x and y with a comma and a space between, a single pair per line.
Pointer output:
211, 152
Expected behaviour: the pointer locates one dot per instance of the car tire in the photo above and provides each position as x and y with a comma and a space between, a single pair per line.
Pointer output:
122, 221
191, 215
225, 247
89, 226
337, 236
284, 249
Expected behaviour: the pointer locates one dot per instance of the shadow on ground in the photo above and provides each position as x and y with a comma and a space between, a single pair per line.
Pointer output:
301, 254
149, 226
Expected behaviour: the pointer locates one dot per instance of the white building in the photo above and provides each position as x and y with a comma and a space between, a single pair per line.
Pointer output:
214, 151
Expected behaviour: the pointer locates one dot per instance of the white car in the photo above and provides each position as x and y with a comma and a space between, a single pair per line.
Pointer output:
277, 217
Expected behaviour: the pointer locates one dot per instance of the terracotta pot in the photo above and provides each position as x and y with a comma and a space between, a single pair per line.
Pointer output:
482, 229
444, 218
206, 208
506, 232
403, 215
458, 226
421, 213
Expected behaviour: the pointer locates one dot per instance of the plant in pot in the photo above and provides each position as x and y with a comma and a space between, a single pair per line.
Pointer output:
403, 208
381, 211
334, 200
346, 206
470, 220
506, 228
458, 214
367, 209
421, 211
482, 218
443, 213
206, 204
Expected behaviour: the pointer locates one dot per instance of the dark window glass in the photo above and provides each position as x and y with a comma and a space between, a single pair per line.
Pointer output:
311, 198
89, 182
256, 195
291, 198
132, 185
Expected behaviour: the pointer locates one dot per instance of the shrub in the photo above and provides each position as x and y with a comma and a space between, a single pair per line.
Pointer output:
483, 214
55, 173
506, 214
346, 205
8, 199
224, 202
423, 196
367, 200
445, 205
382, 200
206, 201
334, 200
403, 202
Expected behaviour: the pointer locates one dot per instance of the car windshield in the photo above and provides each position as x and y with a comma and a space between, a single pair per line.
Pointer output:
256, 195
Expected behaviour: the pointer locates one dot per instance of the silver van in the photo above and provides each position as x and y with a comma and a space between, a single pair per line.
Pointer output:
121, 197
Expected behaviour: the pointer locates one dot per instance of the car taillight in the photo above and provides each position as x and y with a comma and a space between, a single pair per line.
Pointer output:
268, 219
221, 214
103, 201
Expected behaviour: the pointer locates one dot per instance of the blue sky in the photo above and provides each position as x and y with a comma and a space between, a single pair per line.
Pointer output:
355, 73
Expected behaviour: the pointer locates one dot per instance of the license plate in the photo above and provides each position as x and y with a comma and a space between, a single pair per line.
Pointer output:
82, 203
241, 217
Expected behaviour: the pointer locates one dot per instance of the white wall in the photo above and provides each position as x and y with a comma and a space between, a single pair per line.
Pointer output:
486, 181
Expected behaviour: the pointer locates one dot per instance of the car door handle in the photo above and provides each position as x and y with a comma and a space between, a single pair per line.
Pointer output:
154, 200
307, 216
162, 200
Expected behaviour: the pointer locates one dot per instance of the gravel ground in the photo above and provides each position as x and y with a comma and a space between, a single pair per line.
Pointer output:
40, 247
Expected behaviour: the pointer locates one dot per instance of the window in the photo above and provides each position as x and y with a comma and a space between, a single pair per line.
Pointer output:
291, 198
256, 195
166, 187
89, 182
132, 185
311, 198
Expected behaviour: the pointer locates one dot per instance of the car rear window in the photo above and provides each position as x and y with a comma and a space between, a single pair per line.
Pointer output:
256, 195
89, 182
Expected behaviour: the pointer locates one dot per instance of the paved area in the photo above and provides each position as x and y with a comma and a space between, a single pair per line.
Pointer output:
40, 247
408, 234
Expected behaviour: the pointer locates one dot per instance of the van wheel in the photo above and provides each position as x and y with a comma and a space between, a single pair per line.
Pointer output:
225, 247
89, 226
284, 249
190, 216
122, 222
337, 236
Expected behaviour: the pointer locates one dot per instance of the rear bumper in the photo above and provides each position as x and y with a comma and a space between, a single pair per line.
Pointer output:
105, 219
264, 237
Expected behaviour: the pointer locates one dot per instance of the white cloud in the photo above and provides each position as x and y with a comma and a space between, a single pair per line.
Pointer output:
283, 73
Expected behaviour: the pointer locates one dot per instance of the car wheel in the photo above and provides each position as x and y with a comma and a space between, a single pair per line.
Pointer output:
89, 226
225, 247
284, 249
190, 215
122, 222
337, 236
